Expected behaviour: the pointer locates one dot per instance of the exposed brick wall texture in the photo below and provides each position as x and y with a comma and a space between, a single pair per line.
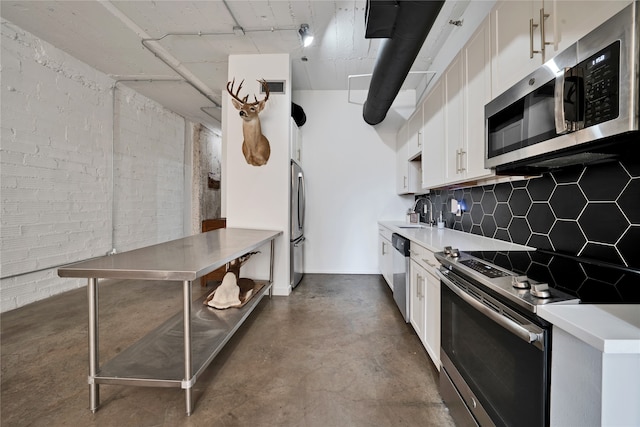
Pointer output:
56, 168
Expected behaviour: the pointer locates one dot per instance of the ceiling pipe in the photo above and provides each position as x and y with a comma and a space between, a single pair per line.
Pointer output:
397, 54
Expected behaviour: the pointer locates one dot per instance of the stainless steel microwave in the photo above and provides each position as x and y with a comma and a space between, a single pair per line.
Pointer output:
579, 107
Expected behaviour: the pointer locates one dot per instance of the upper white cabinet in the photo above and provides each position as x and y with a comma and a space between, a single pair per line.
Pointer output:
414, 129
515, 35
454, 116
454, 120
527, 33
407, 172
433, 150
572, 19
477, 93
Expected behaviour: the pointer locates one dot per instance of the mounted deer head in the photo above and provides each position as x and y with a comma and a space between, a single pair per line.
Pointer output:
255, 146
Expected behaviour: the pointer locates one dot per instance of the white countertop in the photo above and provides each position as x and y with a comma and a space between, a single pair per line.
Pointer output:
435, 239
606, 327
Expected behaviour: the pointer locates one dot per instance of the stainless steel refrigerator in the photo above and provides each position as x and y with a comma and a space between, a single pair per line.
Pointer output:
297, 224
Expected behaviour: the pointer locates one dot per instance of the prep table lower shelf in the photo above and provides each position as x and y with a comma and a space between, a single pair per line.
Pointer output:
157, 360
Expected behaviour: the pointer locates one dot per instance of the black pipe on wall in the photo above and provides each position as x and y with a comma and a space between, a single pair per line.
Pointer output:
396, 56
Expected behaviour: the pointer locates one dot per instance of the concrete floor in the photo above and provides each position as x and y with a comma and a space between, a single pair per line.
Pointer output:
334, 353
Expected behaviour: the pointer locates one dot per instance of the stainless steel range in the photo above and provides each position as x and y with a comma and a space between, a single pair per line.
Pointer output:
495, 350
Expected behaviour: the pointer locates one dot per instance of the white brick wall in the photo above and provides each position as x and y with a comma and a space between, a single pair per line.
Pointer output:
55, 168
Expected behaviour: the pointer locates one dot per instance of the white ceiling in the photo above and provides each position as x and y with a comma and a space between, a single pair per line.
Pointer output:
196, 38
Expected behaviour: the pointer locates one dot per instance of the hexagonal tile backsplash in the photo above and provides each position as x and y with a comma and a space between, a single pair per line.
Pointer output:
591, 211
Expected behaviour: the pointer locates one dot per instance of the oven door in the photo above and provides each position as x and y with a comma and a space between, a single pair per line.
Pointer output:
497, 359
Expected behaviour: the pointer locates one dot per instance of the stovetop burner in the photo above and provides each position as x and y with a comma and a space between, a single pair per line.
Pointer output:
589, 280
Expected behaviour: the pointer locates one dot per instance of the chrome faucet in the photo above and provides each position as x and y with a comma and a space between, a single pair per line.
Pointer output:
426, 199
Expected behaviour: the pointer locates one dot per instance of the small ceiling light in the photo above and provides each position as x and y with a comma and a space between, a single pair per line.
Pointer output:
305, 35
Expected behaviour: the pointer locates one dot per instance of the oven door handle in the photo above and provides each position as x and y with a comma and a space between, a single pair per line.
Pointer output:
522, 332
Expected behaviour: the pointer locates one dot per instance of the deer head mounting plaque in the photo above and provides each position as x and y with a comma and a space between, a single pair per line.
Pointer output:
255, 146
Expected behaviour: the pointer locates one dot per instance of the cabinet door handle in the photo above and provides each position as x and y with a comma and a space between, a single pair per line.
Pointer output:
543, 43
462, 167
383, 245
531, 27
419, 139
429, 263
405, 182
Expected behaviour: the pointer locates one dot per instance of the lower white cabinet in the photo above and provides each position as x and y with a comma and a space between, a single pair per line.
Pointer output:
385, 255
424, 301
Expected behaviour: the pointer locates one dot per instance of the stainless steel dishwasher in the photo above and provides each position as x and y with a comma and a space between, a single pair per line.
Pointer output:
401, 261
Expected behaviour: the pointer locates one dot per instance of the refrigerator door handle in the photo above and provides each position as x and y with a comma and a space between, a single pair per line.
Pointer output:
299, 242
301, 201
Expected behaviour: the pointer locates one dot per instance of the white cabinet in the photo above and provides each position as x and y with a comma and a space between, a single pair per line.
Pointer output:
385, 255
466, 90
417, 305
414, 130
407, 171
454, 120
573, 19
477, 93
433, 157
525, 34
424, 301
515, 34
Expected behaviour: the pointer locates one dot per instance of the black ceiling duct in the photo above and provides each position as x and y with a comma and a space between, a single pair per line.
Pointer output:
397, 54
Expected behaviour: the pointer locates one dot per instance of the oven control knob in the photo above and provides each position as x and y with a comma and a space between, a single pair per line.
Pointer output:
540, 290
447, 250
520, 282
455, 253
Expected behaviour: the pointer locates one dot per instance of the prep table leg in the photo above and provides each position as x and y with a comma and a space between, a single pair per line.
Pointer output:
94, 391
271, 261
186, 290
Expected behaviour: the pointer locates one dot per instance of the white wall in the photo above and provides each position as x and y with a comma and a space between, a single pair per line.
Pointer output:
258, 196
56, 168
350, 176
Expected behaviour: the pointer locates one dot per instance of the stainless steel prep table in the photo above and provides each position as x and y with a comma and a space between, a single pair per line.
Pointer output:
188, 341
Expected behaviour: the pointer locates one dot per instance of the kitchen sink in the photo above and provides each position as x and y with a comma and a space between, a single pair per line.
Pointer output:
413, 226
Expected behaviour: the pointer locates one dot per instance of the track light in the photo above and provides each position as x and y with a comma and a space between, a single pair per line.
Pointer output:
305, 35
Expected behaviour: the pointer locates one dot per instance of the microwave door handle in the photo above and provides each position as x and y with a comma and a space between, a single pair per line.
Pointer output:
559, 116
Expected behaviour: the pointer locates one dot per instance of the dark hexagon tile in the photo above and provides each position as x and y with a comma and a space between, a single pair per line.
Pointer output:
457, 226
567, 201
519, 202
603, 222
488, 202
458, 194
502, 215
488, 226
476, 213
629, 201
568, 175
475, 229
540, 189
540, 241
628, 247
476, 194
519, 230
567, 274
603, 183
521, 261
540, 218
601, 252
503, 191
466, 222
595, 291
632, 166
520, 184
629, 288
502, 234
567, 237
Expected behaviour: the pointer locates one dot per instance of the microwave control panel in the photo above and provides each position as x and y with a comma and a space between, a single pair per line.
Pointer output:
601, 85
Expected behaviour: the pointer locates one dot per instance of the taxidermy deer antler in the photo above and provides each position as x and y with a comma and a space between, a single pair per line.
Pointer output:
255, 146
